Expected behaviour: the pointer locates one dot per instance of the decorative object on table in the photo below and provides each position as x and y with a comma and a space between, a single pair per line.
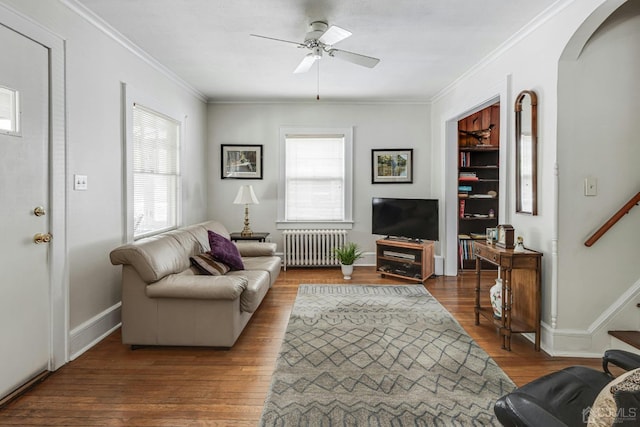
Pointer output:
246, 197
526, 113
384, 355
491, 235
504, 237
392, 166
347, 255
519, 245
495, 296
241, 161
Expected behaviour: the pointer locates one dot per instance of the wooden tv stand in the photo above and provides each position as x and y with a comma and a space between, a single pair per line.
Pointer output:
406, 259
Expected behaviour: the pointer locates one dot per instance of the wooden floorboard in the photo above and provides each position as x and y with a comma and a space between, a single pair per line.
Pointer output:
112, 385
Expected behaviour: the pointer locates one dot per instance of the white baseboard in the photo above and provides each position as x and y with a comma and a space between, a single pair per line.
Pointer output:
94, 330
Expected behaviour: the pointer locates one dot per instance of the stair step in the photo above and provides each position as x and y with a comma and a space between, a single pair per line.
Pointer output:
630, 337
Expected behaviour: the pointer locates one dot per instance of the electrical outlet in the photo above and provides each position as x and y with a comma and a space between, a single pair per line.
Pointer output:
80, 182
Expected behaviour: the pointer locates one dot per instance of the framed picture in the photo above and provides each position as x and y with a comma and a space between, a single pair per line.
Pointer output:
392, 166
241, 161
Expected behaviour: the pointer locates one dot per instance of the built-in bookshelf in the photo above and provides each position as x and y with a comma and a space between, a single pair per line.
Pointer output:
478, 180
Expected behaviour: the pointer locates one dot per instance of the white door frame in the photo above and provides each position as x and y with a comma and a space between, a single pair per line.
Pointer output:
59, 281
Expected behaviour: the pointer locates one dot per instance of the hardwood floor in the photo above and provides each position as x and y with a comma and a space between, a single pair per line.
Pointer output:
113, 385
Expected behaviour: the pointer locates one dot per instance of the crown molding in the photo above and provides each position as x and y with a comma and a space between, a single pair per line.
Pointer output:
88, 15
533, 25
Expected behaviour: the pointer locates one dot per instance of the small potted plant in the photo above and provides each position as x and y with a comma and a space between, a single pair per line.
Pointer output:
347, 255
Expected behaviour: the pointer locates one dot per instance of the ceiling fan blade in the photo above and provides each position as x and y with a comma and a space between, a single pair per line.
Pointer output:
306, 63
356, 58
333, 35
278, 40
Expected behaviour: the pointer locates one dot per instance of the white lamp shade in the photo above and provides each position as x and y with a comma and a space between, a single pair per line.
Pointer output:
246, 196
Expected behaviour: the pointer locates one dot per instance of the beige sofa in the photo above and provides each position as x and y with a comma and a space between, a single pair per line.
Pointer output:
167, 301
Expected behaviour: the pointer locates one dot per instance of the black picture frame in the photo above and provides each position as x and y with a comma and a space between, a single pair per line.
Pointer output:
241, 161
392, 166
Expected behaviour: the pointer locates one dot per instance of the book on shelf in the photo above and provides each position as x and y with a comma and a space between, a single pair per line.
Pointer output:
465, 188
465, 159
464, 236
466, 250
468, 178
481, 196
463, 195
461, 202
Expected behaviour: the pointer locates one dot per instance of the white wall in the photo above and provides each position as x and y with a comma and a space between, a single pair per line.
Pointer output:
95, 67
374, 126
530, 61
598, 130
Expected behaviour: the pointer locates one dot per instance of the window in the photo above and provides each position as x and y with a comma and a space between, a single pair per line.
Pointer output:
155, 170
315, 183
9, 111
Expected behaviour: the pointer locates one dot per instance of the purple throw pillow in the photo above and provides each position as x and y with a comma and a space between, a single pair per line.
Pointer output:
224, 250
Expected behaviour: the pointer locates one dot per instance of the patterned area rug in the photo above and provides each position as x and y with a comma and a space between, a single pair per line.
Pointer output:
360, 355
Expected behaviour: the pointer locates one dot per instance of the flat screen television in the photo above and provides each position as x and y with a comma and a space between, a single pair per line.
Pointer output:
405, 218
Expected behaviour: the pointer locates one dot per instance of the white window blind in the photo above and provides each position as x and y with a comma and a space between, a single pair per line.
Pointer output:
156, 171
9, 111
315, 178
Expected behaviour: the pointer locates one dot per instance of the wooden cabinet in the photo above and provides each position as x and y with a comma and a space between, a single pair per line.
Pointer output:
521, 288
478, 180
406, 259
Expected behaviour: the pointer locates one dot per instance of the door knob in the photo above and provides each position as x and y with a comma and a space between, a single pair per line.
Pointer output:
39, 211
40, 238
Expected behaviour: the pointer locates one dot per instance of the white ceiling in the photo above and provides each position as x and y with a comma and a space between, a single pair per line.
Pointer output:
424, 45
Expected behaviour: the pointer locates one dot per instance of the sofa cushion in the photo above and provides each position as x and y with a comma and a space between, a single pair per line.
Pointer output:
157, 256
201, 233
270, 264
225, 250
205, 263
251, 249
190, 286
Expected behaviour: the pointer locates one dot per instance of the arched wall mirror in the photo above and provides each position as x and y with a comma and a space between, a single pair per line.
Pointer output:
526, 153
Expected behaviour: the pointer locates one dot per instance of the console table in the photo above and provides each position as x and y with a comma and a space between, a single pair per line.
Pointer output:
521, 289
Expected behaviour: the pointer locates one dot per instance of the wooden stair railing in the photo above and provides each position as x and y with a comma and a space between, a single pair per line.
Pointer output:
615, 218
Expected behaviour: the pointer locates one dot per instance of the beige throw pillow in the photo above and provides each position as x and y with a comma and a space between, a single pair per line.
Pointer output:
604, 410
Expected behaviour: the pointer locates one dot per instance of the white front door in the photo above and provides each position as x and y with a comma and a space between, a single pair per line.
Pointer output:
25, 309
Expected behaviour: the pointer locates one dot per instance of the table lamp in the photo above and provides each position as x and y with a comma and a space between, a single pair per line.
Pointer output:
246, 197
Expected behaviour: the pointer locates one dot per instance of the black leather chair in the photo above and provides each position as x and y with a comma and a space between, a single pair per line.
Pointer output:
563, 398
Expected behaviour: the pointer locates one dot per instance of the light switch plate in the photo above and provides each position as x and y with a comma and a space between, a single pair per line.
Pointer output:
590, 186
80, 182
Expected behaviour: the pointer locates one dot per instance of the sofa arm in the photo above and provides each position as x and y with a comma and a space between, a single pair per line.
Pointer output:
251, 249
623, 359
198, 287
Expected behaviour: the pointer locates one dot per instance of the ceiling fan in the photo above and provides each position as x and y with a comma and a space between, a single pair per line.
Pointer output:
320, 40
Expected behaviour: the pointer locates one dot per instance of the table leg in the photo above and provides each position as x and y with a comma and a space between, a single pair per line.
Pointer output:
477, 307
506, 307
